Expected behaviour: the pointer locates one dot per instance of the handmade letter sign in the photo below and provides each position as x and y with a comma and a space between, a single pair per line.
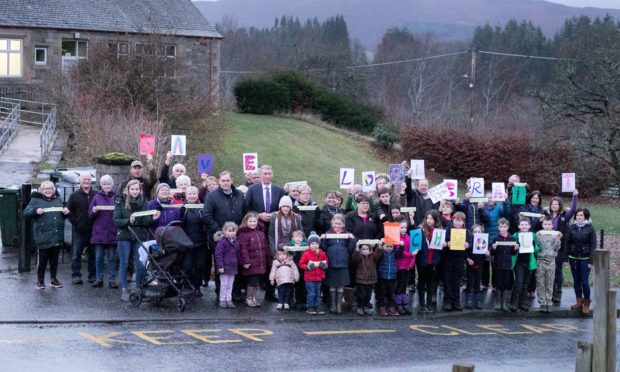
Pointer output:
526, 242
417, 170
396, 174
481, 243
457, 239
178, 145
205, 164
438, 239
568, 182
518, 194
391, 231
415, 236
147, 144
438, 192
452, 187
497, 191
347, 175
368, 181
476, 188
250, 162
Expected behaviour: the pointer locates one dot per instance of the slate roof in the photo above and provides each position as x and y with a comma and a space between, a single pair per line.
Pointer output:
176, 17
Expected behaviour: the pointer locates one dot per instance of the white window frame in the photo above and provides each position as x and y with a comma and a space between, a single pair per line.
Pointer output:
71, 61
8, 52
40, 63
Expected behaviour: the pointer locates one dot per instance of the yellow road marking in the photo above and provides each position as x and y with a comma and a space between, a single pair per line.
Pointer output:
349, 332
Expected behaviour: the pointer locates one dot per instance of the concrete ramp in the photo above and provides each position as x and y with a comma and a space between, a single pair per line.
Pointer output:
16, 162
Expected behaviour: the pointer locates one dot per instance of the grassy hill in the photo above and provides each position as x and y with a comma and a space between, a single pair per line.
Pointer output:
298, 151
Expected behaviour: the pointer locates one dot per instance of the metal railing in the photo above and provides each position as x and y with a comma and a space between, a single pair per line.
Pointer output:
9, 121
38, 113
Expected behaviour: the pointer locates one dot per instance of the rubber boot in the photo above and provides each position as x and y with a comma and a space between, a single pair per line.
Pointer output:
478, 301
332, 302
468, 298
505, 300
398, 302
422, 303
254, 292
350, 301
339, 297
557, 296
250, 297
577, 305
499, 301
585, 309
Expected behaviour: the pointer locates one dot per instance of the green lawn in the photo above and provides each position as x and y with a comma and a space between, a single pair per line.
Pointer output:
298, 151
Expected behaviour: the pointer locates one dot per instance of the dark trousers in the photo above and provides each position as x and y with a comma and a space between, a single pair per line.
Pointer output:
581, 274
193, 265
253, 280
522, 274
503, 279
485, 275
531, 285
559, 277
384, 290
427, 284
284, 292
207, 265
363, 293
474, 276
402, 279
453, 271
48, 255
78, 244
300, 290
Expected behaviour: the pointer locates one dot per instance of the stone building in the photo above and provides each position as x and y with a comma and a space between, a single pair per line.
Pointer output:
41, 39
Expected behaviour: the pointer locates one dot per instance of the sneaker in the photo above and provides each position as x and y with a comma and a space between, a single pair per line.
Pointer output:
40, 285
55, 283
393, 312
279, 307
91, 280
97, 284
447, 307
360, 311
113, 285
423, 309
77, 281
230, 305
457, 307
368, 311
311, 311
223, 304
383, 311
319, 311
125, 294
287, 307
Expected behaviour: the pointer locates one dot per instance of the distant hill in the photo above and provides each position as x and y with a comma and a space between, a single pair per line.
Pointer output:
368, 19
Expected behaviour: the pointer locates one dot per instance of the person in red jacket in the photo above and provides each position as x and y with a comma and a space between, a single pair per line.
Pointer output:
314, 263
254, 255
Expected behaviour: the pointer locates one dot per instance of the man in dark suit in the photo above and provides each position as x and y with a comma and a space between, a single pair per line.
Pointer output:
264, 198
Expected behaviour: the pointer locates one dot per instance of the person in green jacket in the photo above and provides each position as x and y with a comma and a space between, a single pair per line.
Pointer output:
48, 214
125, 206
522, 266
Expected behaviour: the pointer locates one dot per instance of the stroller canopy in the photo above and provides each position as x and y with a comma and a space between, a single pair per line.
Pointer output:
173, 239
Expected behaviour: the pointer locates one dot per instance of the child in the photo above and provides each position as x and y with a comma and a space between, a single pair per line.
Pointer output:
405, 263
397, 215
522, 265
386, 270
284, 274
545, 265
446, 208
502, 263
474, 274
338, 252
313, 262
382, 209
298, 241
453, 264
365, 260
427, 262
227, 261
254, 255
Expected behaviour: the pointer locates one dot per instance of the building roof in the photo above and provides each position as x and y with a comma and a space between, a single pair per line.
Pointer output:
175, 17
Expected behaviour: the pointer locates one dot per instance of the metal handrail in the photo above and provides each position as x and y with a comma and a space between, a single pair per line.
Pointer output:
47, 120
47, 132
9, 125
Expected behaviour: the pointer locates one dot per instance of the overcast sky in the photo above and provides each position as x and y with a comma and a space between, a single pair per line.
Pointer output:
615, 4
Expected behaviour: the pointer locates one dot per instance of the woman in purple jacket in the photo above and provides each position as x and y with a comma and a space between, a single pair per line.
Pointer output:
103, 236
163, 203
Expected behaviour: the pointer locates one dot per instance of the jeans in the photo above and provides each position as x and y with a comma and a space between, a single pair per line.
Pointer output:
48, 255
77, 246
128, 248
581, 274
103, 250
284, 292
314, 294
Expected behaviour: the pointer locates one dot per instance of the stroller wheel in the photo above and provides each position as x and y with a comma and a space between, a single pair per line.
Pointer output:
181, 305
135, 299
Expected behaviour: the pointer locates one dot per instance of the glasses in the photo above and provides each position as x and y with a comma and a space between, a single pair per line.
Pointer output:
47, 188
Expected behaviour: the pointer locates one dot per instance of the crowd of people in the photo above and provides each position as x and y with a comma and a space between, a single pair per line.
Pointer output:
303, 255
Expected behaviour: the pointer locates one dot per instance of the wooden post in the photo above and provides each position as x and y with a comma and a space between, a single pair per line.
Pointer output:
601, 295
611, 332
463, 368
584, 357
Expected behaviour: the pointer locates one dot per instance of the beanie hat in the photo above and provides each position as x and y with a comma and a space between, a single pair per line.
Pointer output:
161, 186
313, 238
285, 202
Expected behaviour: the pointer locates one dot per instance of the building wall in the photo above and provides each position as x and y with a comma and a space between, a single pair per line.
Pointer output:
200, 56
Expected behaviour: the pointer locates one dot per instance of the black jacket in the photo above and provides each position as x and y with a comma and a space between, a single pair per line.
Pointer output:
324, 219
165, 177
417, 200
502, 255
457, 254
581, 241
371, 229
221, 207
48, 229
308, 218
78, 204
194, 226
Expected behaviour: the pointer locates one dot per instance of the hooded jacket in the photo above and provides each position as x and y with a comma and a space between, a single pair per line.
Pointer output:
122, 217
283, 272
366, 266
254, 250
227, 255
317, 274
581, 241
49, 228
104, 230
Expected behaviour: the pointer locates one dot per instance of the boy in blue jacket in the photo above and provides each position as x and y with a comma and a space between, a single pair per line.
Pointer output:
386, 284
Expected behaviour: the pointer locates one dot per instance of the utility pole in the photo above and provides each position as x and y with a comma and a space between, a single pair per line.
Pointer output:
472, 82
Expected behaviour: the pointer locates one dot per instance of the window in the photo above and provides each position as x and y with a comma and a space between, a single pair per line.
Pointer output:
144, 49
40, 56
119, 49
72, 52
10, 58
170, 51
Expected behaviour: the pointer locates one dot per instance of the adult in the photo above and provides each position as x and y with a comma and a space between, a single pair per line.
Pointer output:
282, 225
48, 227
581, 245
560, 219
533, 205
163, 204
103, 235
78, 205
197, 232
182, 183
129, 202
136, 172
417, 196
292, 190
495, 211
309, 217
177, 170
514, 208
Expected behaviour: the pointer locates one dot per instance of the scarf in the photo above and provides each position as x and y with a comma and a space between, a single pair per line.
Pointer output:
582, 223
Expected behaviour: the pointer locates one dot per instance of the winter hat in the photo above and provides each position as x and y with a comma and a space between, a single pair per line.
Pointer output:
285, 202
313, 238
161, 186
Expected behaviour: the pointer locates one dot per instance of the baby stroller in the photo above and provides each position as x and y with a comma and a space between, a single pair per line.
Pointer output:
164, 261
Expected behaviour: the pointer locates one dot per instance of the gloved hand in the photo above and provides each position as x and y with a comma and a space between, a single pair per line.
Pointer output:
323, 265
311, 266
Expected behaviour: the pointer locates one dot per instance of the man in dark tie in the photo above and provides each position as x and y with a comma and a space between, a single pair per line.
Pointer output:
264, 198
